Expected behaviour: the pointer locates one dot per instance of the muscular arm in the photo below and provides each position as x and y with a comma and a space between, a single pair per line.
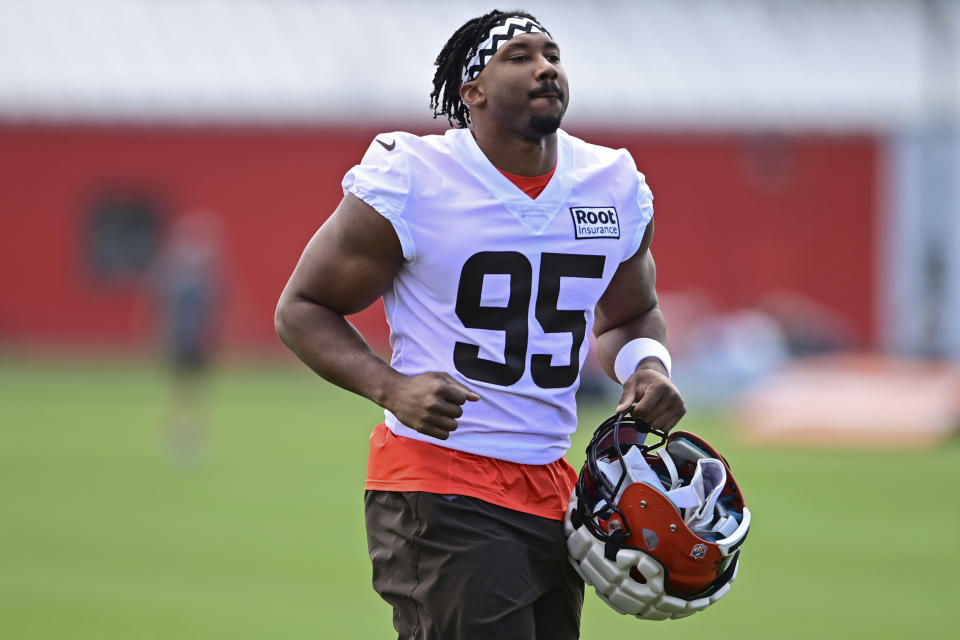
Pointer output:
347, 265
627, 310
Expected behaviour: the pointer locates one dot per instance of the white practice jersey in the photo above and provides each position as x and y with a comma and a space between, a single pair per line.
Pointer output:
498, 289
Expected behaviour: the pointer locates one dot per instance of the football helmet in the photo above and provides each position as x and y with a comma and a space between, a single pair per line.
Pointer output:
656, 528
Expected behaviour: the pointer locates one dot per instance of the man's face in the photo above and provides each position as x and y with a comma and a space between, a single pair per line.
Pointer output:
525, 85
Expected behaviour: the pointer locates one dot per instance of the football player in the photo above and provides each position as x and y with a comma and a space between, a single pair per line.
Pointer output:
496, 247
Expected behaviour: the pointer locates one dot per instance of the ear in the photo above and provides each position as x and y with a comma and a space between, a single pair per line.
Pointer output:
472, 94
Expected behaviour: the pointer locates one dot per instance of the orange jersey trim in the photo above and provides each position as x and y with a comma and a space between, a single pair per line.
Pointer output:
533, 186
403, 464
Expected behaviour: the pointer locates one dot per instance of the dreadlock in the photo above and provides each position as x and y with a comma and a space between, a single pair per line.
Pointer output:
445, 99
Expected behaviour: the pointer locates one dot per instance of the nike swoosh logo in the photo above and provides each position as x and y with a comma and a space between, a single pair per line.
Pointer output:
388, 147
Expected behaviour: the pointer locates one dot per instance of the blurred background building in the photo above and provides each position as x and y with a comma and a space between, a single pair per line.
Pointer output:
805, 157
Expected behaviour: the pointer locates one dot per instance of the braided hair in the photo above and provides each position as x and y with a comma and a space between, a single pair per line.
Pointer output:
462, 45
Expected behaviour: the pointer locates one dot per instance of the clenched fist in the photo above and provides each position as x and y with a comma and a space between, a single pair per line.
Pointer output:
655, 399
429, 403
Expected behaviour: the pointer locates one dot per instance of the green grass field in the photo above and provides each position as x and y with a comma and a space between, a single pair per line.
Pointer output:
103, 535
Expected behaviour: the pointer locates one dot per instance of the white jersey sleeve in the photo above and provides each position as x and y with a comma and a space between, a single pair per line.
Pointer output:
644, 211
383, 180
635, 199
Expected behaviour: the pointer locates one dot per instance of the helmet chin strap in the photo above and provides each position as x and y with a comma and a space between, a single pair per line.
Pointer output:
671, 467
613, 545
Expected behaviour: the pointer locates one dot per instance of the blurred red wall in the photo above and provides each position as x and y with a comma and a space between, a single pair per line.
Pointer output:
738, 216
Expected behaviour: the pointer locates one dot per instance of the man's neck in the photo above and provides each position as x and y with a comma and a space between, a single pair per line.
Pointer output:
516, 154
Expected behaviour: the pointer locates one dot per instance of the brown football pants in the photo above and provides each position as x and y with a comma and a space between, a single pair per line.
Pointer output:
460, 568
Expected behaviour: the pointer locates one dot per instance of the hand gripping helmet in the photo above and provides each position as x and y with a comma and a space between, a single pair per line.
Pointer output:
656, 528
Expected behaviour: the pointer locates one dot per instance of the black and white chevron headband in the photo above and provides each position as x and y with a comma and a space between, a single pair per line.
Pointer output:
505, 29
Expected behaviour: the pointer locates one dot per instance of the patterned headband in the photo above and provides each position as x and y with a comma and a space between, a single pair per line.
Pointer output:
505, 29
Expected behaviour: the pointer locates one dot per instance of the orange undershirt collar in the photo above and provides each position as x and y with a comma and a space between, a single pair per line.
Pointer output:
533, 186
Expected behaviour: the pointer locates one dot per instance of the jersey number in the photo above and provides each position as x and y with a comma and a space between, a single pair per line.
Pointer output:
512, 319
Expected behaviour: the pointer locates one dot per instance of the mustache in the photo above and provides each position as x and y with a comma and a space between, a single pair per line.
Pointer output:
547, 88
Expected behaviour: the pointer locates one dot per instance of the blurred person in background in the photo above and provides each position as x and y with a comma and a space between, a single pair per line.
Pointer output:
186, 283
496, 248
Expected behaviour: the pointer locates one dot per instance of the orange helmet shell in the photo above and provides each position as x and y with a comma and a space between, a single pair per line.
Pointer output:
656, 527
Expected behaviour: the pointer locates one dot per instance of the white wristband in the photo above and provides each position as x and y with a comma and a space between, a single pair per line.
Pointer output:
636, 350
